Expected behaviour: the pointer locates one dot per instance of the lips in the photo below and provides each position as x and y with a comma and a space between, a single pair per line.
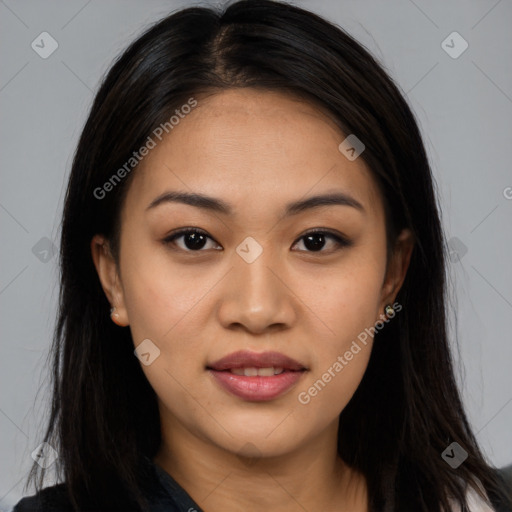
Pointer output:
256, 376
246, 359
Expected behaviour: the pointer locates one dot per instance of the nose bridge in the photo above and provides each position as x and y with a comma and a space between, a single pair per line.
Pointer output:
256, 297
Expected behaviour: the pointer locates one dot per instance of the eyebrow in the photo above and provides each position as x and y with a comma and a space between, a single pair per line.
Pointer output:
218, 205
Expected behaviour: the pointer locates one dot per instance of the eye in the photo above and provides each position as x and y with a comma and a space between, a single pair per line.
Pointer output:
316, 239
193, 239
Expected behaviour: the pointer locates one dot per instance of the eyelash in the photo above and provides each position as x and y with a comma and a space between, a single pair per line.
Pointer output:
340, 240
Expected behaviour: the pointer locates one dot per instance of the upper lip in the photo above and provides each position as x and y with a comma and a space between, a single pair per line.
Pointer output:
247, 359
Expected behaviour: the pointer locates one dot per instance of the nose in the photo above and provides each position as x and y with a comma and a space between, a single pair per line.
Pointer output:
256, 297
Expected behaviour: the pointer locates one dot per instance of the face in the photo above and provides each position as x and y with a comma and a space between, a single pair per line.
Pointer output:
249, 275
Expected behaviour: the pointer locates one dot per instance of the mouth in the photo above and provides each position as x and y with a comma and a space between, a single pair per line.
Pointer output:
254, 372
255, 376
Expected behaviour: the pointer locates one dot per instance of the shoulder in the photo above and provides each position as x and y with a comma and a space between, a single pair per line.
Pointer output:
56, 499
50, 499
477, 503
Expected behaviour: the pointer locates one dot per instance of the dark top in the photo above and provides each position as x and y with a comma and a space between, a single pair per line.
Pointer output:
168, 495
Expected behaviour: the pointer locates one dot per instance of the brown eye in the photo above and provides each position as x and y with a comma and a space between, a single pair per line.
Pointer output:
315, 241
193, 239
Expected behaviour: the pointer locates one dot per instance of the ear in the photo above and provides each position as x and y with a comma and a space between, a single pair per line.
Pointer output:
397, 268
108, 274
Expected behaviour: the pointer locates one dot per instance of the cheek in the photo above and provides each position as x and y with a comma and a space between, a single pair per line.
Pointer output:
163, 303
340, 360
345, 299
161, 297
328, 390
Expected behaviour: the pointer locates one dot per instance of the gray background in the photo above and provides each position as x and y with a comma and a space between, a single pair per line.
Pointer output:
464, 107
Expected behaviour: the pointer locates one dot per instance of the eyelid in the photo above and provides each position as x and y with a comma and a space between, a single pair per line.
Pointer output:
169, 239
341, 240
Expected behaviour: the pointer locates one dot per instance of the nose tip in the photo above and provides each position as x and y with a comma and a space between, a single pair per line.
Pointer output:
255, 298
256, 318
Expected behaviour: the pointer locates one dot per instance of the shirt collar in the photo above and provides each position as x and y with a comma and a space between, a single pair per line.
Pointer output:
173, 490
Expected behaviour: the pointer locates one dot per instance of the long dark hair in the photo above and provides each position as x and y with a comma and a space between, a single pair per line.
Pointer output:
104, 418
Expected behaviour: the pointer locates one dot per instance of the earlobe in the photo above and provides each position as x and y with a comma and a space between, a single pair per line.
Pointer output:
108, 274
114, 315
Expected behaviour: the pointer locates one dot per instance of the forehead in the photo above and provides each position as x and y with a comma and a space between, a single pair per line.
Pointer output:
252, 148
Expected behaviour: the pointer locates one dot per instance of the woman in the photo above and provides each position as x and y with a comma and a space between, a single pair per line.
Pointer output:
252, 202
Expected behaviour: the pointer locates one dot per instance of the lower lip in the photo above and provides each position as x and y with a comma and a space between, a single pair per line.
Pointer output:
257, 389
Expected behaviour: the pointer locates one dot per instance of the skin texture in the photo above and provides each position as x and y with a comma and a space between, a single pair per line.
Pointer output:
257, 151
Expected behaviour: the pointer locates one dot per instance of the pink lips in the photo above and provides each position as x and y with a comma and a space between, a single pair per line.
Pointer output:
256, 388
